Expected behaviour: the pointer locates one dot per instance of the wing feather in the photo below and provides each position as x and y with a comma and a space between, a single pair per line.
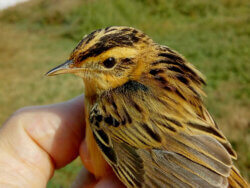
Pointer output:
148, 144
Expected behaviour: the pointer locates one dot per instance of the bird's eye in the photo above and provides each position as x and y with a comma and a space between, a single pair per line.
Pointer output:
109, 63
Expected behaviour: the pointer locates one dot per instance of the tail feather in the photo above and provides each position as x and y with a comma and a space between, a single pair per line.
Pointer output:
235, 179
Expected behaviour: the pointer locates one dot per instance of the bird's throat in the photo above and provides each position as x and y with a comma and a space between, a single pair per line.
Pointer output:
90, 90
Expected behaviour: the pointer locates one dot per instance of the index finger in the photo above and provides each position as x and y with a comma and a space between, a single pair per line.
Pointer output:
36, 140
57, 129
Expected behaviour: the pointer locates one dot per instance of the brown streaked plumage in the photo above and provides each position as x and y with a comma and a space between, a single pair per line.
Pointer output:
145, 113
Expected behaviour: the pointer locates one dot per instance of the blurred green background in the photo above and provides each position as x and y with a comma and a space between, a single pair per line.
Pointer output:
213, 35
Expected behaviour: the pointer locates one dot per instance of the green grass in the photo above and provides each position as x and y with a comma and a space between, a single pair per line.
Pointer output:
213, 35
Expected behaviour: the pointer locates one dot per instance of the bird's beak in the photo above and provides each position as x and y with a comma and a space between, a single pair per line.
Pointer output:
66, 67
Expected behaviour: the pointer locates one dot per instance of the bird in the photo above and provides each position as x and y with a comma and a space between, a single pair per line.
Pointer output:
145, 114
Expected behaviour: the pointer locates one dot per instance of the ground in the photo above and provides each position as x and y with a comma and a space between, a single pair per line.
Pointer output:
213, 35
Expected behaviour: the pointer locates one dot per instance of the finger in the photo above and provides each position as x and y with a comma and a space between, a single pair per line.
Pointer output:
58, 129
36, 139
110, 182
84, 180
87, 180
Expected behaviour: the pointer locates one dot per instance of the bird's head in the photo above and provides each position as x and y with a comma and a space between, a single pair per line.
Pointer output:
108, 58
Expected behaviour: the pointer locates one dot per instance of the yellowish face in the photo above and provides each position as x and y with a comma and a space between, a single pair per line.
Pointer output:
107, 58
109, 69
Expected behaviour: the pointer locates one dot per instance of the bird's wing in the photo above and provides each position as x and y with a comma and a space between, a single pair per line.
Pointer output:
149, 144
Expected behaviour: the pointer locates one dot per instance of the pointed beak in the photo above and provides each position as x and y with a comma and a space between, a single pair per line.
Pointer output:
64, 68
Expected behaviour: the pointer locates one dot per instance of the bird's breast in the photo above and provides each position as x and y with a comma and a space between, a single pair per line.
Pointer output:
93, 159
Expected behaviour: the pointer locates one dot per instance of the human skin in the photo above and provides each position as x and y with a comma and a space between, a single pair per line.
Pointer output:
35, 141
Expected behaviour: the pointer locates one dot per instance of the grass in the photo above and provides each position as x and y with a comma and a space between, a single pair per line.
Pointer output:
213, 35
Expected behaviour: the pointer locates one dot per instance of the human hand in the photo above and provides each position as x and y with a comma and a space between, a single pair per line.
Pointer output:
35, 141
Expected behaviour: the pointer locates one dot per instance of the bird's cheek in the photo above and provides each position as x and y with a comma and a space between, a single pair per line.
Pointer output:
103, 82
112, 81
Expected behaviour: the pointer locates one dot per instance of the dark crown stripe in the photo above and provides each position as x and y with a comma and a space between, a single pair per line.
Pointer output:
94, 51
90, 37
109, 29
108, 42
87, 39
